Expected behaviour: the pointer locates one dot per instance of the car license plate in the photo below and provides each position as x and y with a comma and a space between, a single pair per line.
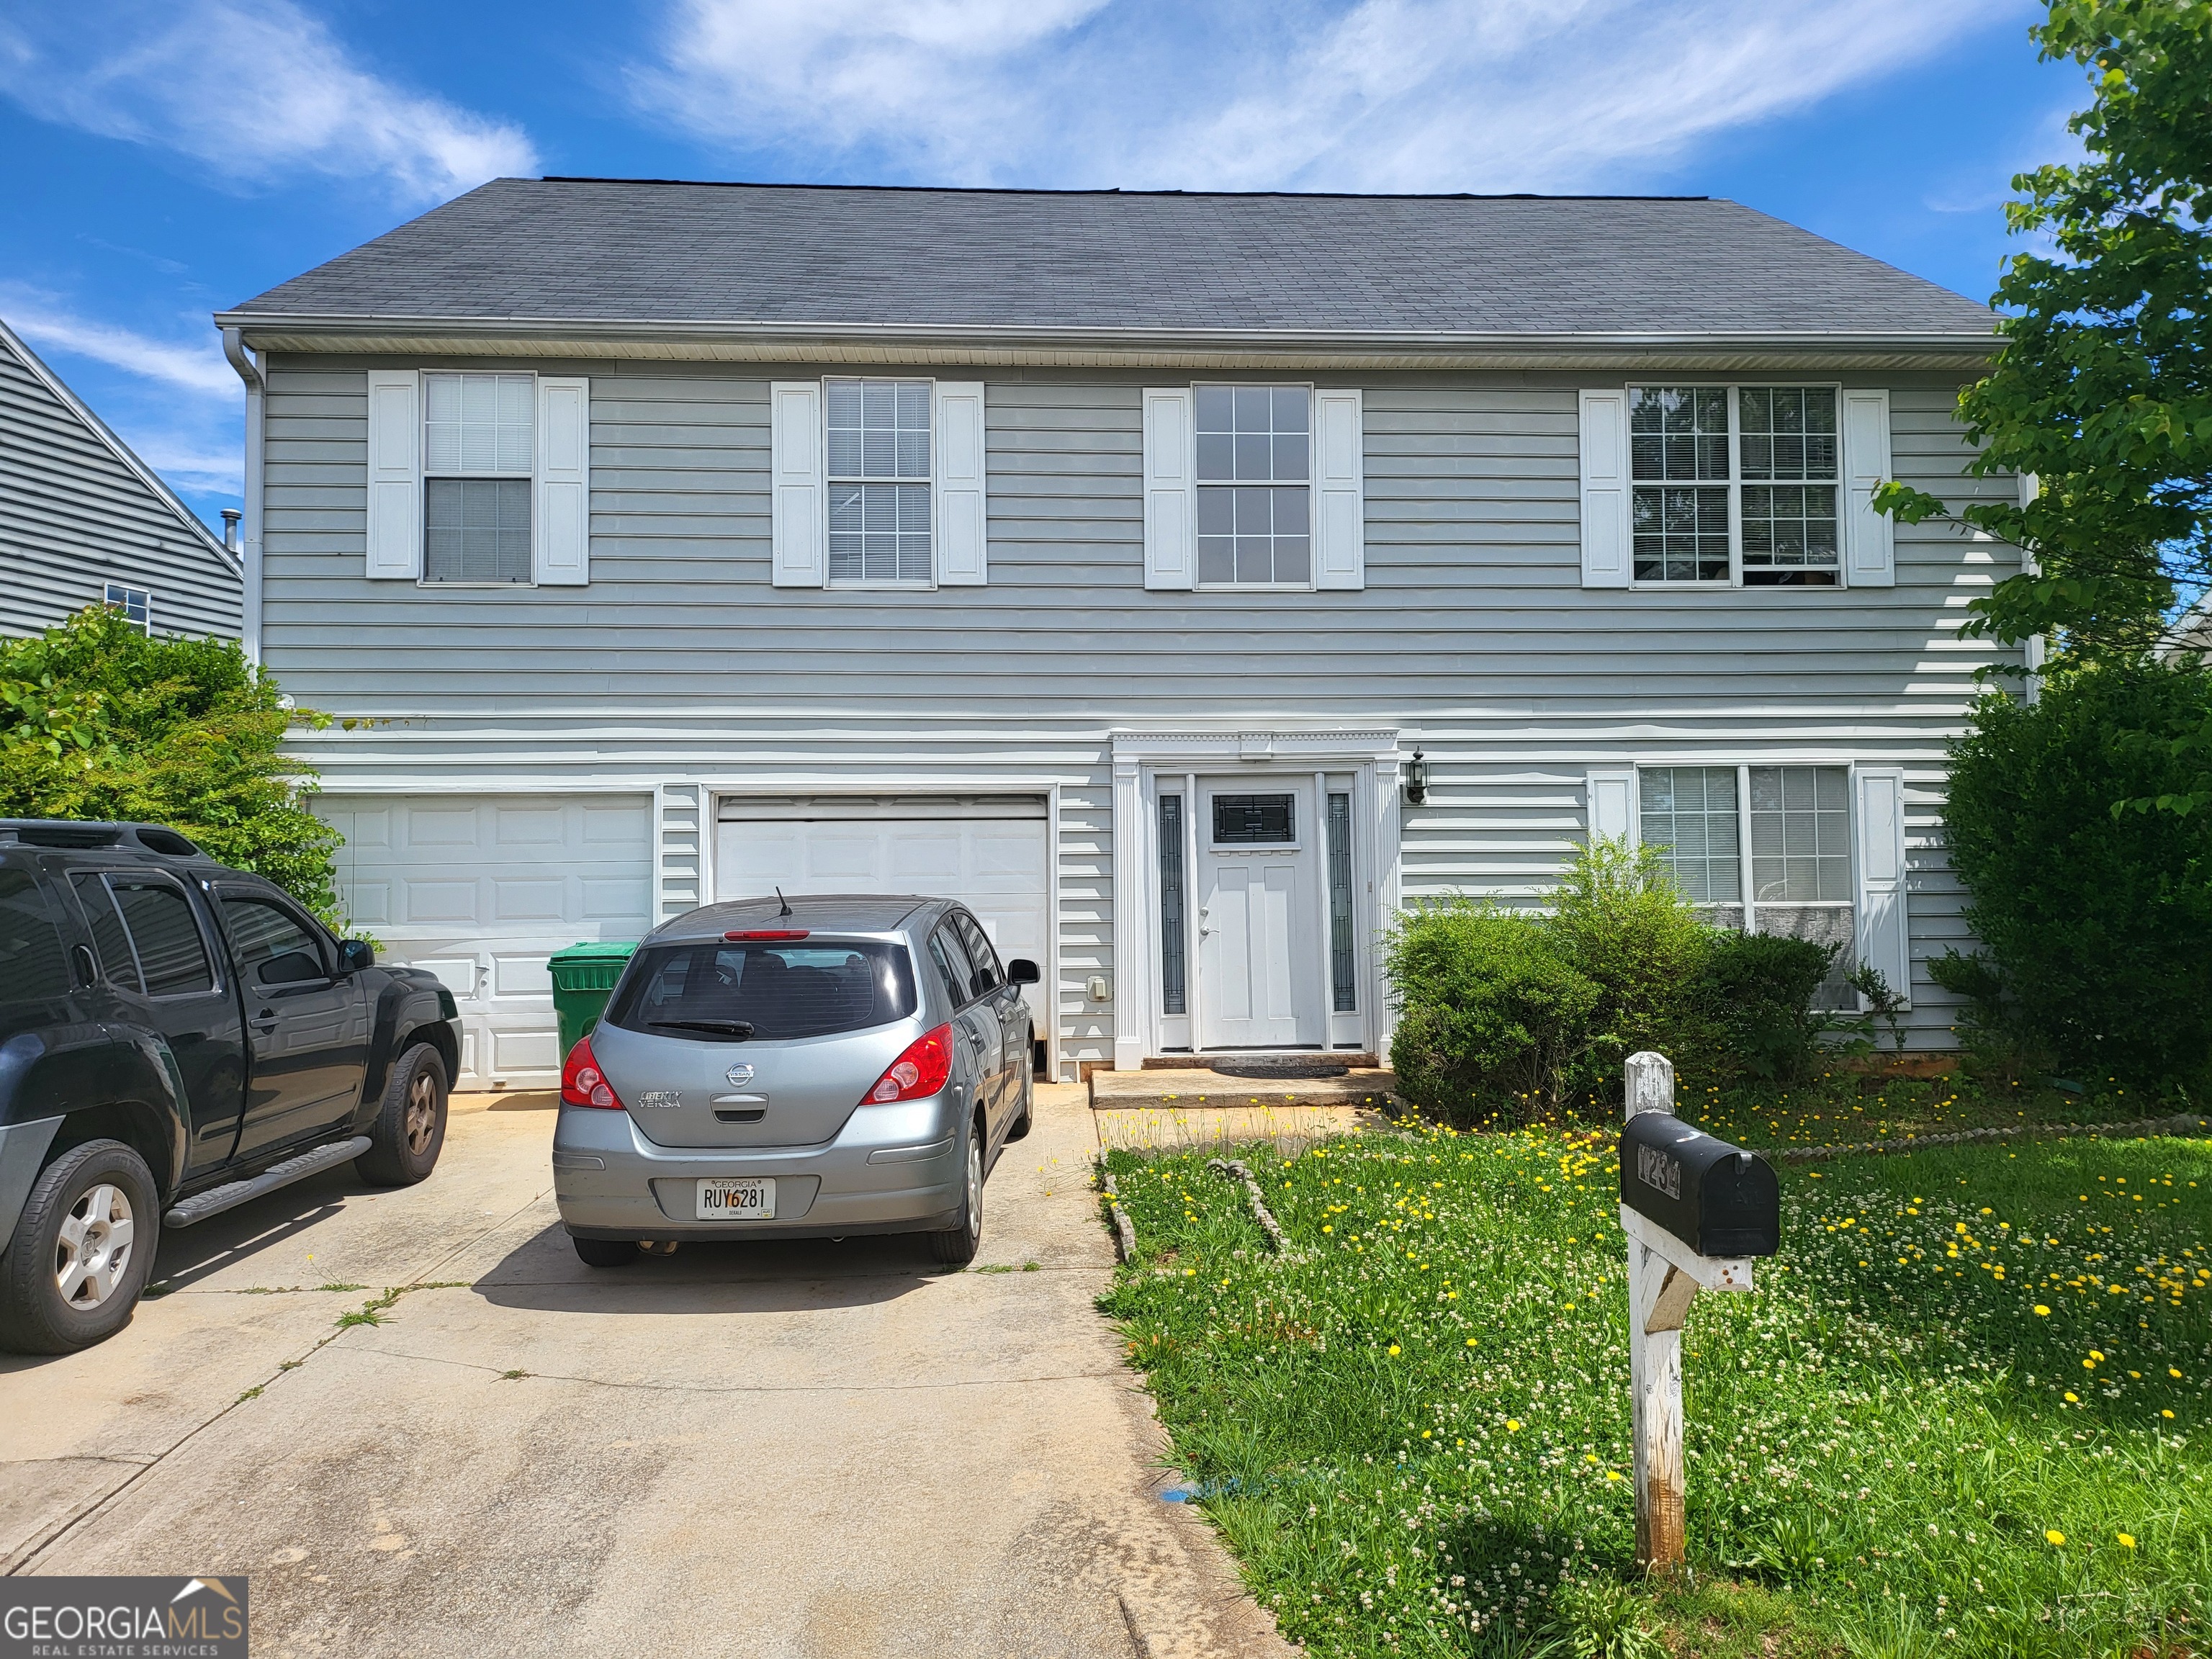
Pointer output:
737, 1201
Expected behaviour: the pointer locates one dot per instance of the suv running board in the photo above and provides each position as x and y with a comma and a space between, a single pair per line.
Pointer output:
216, 1200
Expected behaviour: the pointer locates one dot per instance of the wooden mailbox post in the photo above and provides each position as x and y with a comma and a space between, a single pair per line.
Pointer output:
1683, 1194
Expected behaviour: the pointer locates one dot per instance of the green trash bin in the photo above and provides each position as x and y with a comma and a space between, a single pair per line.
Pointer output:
582, 977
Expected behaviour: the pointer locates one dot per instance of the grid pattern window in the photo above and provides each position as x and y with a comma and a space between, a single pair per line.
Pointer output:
1173, 980
1343, 995
1735, 484
1254, 486
1801, 835
1689, 814
879, 477
479, 443
135, 604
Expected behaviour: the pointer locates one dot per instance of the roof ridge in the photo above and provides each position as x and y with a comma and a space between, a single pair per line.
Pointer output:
1116, 190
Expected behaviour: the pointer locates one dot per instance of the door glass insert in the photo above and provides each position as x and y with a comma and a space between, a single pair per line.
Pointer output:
1254, 820
1341, 994
1172, 971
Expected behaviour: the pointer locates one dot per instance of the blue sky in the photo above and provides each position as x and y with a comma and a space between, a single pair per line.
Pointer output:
164, 160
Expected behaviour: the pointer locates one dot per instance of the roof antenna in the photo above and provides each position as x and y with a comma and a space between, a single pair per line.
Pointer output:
784, 901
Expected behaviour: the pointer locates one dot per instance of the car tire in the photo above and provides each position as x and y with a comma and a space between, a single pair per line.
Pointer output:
1027, 1121
956, 1246
66, 1279
605, 1251
409, 1131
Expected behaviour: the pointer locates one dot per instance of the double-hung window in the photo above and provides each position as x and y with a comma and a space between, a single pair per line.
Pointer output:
135, 604
1737, 485
879, 477
478, 447
1254, 486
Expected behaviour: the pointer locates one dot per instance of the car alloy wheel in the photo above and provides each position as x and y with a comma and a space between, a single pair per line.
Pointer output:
93, 1250
974, 1188
421, 1113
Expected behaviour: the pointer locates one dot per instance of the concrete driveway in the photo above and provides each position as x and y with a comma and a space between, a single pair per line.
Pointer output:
804, 1448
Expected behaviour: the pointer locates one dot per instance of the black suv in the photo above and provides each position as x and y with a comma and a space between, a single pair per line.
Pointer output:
178, 1037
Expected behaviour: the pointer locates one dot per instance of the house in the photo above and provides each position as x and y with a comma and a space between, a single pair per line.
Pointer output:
84, 521
1187, 582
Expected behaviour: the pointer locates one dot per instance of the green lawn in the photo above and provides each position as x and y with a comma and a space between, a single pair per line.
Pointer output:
1965, 1411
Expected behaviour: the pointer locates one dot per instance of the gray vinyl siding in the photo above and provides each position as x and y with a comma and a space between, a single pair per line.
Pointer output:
73, 518
1473, 636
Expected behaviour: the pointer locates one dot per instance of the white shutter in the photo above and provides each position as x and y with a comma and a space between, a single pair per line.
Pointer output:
1883, 935
561, 540
1869, 562
395, 474
1612, 804
962, 558
798, 537
1170, 496
1339, 491
1605, 488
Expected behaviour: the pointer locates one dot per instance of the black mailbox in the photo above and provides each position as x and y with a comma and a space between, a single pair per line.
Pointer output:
1717, 1199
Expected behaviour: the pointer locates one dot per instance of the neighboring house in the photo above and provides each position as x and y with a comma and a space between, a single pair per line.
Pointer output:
84, 521
2192, 632
1186, 581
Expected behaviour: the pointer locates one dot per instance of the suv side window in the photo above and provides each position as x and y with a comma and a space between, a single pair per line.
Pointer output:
158, 933
117, 962
32, 965
266, 935
986, 960
952, 965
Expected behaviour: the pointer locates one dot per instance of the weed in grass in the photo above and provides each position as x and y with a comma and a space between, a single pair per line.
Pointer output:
1413, 1426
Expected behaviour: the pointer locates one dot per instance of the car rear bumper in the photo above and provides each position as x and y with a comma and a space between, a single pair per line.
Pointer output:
612, 1182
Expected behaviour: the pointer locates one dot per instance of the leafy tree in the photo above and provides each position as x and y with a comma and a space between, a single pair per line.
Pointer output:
2103, 390
99, 720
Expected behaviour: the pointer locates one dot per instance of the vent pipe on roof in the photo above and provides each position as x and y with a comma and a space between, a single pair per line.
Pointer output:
231, 515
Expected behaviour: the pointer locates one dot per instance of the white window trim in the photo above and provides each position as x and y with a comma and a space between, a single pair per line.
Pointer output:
1312, 584
1630, 483
111, 589
831, 480
424, 477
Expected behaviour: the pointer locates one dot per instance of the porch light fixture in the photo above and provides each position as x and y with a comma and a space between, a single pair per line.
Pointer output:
1416, 778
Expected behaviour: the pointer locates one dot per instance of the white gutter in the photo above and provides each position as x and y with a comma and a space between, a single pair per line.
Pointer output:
257, 390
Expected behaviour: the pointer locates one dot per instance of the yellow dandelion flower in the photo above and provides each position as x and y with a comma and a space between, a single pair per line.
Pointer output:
2054, 1539
1613, 1474
2166, 1413
2127, 1540
2072, 1398
2042, 1311
1513, 1423
1393, 1348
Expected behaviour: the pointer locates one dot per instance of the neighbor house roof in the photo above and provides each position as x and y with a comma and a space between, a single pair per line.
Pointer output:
591, 259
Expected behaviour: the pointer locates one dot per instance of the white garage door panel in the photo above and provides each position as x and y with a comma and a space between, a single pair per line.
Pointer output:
481, 890
988, 853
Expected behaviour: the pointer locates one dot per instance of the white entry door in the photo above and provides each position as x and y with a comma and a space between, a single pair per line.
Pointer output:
1259, 951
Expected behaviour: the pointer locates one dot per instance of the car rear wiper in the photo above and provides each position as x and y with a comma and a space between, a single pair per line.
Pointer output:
729, 1028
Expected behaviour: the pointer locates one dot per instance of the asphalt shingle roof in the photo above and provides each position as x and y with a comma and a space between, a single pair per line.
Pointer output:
566, 249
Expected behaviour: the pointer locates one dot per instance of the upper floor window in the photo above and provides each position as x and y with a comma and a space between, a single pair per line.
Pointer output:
880, 481
1735, 484
135, 604
1254, 486
479, 444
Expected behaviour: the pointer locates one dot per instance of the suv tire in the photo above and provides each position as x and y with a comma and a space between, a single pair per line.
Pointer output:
83, 1251
409, 1131
605, 1251
956, 1246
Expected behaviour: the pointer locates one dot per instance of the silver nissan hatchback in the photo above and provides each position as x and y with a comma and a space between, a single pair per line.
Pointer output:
815, 1068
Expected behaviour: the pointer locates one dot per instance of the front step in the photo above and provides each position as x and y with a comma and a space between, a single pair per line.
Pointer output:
1186, 1089
299, 1166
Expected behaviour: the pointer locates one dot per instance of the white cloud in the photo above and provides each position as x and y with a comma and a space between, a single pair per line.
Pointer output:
52, 327
255, 89
1385, 94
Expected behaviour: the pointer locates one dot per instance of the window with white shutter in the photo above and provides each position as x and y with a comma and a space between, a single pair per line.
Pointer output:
880, 467
479, 462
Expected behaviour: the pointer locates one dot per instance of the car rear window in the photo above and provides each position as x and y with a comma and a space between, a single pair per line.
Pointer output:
709, 990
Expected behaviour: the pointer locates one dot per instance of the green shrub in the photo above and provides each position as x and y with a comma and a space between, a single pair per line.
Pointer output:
99, 720
1755, 994
1626, 925
1493, 1015
2096, 927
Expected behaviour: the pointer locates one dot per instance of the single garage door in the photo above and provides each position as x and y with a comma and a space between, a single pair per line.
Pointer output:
481, 890
986, 851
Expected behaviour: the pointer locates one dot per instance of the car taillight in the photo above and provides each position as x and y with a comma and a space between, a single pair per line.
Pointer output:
918, 1073
767, 933
582, 1082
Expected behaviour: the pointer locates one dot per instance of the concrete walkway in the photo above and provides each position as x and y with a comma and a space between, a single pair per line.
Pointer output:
794, 1450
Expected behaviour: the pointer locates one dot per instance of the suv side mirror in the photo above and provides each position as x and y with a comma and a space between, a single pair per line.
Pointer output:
356, 954
1022, 971
293, 968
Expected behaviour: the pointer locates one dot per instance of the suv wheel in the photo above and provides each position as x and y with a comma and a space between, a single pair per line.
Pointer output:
409, 1131
83, 1250
956, 1246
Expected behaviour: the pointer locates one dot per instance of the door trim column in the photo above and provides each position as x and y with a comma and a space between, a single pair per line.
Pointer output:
1370, 755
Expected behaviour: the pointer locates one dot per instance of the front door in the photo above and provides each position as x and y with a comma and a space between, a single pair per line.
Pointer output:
1261, 958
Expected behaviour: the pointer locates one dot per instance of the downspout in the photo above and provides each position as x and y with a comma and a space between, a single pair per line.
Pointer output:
257, 390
